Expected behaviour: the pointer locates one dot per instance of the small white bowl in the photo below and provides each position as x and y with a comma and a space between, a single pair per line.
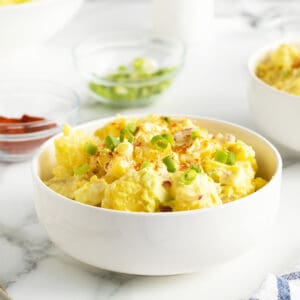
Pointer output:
26, 24
160, 243
275, 112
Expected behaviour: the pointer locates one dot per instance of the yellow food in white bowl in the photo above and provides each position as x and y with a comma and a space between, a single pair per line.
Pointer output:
273, 93
281, 69
9, 2
158, 243
153, 164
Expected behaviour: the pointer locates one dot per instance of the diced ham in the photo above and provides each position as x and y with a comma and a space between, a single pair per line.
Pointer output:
167, 184
183, 136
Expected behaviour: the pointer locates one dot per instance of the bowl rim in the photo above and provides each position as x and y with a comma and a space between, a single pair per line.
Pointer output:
145, 34
240, 201
75, 105
264, 51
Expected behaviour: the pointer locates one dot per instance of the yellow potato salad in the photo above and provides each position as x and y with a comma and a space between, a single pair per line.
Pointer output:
281, 69
153, 164
9, 2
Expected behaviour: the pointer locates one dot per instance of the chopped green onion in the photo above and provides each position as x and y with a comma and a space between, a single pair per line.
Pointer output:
196, 168
188, 176
159, 142
122, 134
122, 68
162, 141
90, 148
221, 156
130, 137
140, 69
169, 137
129, 130
82, 169
231, 158
169, 164
195, 134
131, 127
167, 119
111, 142
141, 64
146, 164
225, 157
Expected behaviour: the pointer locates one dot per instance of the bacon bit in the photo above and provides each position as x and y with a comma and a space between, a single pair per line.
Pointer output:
167, 184
200, 197
165, 208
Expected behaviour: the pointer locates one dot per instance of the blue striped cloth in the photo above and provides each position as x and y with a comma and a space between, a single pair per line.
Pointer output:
283, 287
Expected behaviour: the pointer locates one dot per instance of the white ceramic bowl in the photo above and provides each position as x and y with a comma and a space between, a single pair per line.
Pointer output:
276, 113
23, 25
160, 243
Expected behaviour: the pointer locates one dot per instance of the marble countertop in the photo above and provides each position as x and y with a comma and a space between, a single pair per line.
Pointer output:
213, 83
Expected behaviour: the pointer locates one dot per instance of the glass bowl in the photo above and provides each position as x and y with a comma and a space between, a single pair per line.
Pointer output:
31, 111
128, 69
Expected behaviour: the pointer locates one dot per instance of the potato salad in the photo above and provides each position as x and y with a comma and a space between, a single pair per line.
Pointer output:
281, 69
9, 2
153, 164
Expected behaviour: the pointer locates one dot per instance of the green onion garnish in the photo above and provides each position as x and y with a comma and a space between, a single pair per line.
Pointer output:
195, 134
188, 176
130, 137
111, 142
231, 158
146, 164
167, 119
169, 138
225, 157
196, 168
131, 127
82, 169
162, 141
90, 148
159, 142
128, 131
122, 135
169, 164
221, 156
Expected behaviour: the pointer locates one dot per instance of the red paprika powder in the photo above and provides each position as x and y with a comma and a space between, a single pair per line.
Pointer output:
22, 128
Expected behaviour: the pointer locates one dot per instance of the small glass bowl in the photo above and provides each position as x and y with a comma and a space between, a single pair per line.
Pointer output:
104, 54
53, 103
